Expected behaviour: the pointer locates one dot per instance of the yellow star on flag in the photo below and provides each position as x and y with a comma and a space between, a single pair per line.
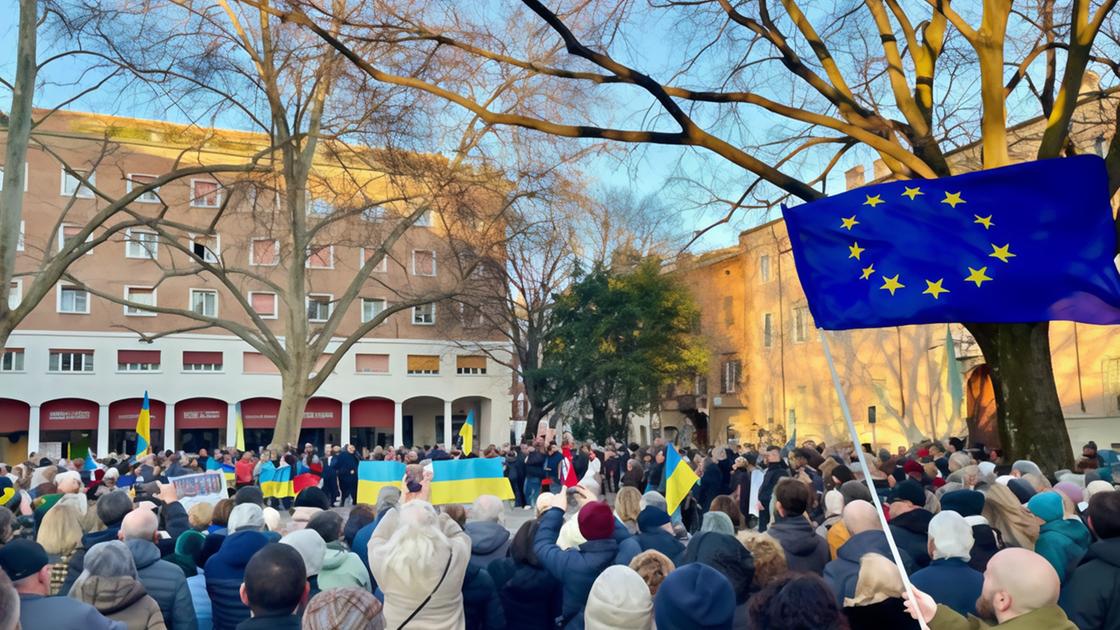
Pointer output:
892, 284
952, 199
985, 221
873, 200
912, 192
854, 250
849, 223
1002, 253
934, 288
867, 271
979, 276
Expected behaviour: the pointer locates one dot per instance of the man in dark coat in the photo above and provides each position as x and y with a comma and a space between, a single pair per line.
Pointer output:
163, 580
948, 578
225, 571
654, 532
910, 521
347, 471
775, 470
862, 522
534, 472
1091, 596
515, 470
275, 588
986, 541
805, 551
330, 473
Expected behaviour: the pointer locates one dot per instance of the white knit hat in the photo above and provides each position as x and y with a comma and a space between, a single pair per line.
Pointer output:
619, 600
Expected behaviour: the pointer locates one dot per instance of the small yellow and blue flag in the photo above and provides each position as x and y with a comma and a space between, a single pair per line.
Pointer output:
90, 463
680, 478
239, 423
464, 480
143, 428
467, 433
276, 483
373, 476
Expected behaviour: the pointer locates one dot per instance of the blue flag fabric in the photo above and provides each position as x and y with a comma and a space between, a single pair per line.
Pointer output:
1023, 243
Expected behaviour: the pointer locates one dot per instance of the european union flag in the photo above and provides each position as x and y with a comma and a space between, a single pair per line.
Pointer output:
1023, 243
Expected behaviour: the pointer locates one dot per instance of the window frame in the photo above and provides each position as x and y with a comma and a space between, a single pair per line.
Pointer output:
727, 385
62, 237
275, 304
431, 323
330, 306
768, 330
435, 266
764, 268
26, 177
217, 255
59, 370
17, 291
58, 299
275, 251
151, 249
21, 353
800, 323
424, 220
382, 267
91, 175
158, 367
384, 305
141, 199
388, 362
330, 251
155, 300
194, 198
190, 301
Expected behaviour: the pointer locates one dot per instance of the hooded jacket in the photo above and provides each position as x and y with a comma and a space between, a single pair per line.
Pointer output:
911, 532
343, 568
986, 543
805, 550
575, 568
489, 541
725, 554
225, 571
1091, 596
120, 598
951, 581
78, 558
166, 584
482, 608
530, 596
843, 572
1063, 542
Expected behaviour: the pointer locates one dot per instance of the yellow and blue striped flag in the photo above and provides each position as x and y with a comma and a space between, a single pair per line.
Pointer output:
467, 433
276, 482
143, 428
464, 480
373, 476
680, 478
227, 470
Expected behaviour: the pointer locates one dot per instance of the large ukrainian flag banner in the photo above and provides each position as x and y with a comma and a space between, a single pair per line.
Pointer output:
373, 476
464, 480
276, 482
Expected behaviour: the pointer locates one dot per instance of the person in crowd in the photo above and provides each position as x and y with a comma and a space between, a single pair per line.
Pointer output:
535, 460
309, 502
1020, 592
225, 571
949, 578
275, 586
655, 531
188, 557
1091, 596
489, 538
9, 604
1062, 541
350, 608
346, 470
717, 522
986, 541
110, 584
728, 505
341, 568
627, 506
833, 507
1006, 514
694, 596
360, 516
619, 600
634, 477
530, 596
838, 534
769, 558
796, 602
312, 549
200, 516
60, 533
867, 537
653, 567
776, 468
164, 581
711, 483
249, 494
27, 566
111, 509
724, 553
576, 568
878, 600
219, 518
482, 608
805, 551
910, 520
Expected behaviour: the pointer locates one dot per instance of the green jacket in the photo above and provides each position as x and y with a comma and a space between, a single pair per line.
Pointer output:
1046, 618
342, 568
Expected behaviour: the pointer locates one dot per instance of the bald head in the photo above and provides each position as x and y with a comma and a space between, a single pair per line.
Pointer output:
1017, 582
859, 516
139, 525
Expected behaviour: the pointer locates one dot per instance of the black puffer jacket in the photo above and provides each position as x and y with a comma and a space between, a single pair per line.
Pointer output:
530, 596
911, 533
1091, 596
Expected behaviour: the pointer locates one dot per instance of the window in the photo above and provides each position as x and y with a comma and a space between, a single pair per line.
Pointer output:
206, 247
424, 220
139, 295
12, 360
71, 361
15, 294
257, 363
730, 376
319, 307
366, 254
424, 315
141, 244
138, 360
800, 323
471, 315
423, 262
318, 207
25, 177
202, 361
764, 268
700, 385
67, 234
320, 257
263, 303
371, 308
374, 213
767, 330
470, 365
73, 300
205, 193
149, 196
204, 302
728, 310
423, 364
73, 187
264, 252
371, 363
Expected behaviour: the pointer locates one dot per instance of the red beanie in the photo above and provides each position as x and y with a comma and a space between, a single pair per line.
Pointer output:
596, 521
912, 466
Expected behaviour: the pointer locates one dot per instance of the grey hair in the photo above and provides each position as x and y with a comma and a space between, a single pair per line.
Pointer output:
487, 507
655, 499
108, 559
1026, 467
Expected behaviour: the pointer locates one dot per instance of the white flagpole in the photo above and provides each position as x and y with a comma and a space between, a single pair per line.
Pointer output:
867, 473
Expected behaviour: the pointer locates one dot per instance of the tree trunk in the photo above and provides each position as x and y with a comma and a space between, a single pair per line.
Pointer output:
289, 419
1031, 424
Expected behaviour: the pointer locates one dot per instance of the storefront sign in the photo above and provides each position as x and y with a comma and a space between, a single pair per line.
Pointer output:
202, 415
69, 415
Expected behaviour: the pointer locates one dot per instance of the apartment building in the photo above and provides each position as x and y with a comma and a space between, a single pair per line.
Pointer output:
74, 373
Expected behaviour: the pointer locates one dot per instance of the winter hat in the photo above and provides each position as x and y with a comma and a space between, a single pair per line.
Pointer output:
951, 535
1046, 506
694, 596
1023, 489
350, 607
833, 503
1072, 491
987, 468
1096, 487
596, 521
9, 496
313, 496
717, 522
855, 491
247, 516
725, 554
963, 502
188, 546
249, 494
1026, 467
651, 518
654, 499
271, 519
310, 546
619, 600
909, 490
22, 558
912, 467
69, 475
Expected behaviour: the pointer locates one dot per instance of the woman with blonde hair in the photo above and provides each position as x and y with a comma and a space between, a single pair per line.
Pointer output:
60, 533
1006, 514
653, 567
769, 558
627, 505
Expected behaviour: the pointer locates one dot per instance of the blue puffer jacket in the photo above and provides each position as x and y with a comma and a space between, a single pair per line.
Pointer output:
1063, 542
482, 609
576, 568
225, 571
843, 572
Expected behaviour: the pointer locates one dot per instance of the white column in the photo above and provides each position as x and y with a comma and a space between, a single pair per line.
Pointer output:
447, 437
33, 430
344, 435
169, 428
484, 423
102, 430
398, 423
231, 424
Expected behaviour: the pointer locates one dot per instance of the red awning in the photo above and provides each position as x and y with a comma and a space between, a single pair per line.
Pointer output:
371, 412
137, 356
201, 413
260, 413
123, 413
322, 413
202, 357
14, 415
68, 413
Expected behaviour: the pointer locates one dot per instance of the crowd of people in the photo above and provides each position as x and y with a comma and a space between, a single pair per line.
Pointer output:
773, 537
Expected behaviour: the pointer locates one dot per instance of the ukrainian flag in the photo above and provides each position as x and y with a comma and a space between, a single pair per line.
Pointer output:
373, 476
464, 480
143, 428
276, 483
228, 470
467, 433
239, 423
680, 480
